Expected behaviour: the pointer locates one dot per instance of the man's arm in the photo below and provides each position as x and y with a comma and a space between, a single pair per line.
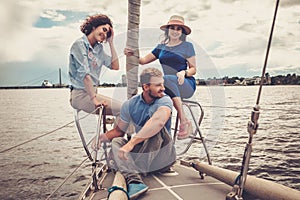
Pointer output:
152, 126
118, 131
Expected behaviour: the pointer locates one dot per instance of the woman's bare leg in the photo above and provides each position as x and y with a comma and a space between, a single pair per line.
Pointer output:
185, 128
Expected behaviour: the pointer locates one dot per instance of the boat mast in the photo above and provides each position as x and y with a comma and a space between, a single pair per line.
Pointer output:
132, 62
59, 75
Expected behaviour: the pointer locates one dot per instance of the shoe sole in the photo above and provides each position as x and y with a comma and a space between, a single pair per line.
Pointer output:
168, 174
136, 195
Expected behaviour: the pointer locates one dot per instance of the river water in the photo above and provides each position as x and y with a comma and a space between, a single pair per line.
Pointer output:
33, 170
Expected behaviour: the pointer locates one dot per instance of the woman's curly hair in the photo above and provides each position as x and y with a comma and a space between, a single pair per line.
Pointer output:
93, 22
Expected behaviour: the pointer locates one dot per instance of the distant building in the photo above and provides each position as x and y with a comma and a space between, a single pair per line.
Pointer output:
124, 80
46, 83
251, 81
215, 81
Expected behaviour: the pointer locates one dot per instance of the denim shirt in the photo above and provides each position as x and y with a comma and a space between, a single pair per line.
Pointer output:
84, 59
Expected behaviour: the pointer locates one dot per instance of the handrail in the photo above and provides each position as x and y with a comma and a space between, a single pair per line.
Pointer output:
188, 104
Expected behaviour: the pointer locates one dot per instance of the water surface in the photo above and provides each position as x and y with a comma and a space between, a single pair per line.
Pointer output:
35, 169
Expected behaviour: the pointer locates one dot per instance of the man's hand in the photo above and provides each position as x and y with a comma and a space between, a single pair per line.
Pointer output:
102, 138
124, 150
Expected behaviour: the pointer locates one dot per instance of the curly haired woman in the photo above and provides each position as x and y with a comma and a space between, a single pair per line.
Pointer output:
87, 56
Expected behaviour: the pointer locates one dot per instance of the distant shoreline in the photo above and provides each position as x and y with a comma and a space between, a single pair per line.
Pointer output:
112, 86
29, 87
225, 81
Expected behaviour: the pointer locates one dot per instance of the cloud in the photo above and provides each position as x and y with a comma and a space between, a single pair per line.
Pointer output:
17, 41
234, 34
53, 15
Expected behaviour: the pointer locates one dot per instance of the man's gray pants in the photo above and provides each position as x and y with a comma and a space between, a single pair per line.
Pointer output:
155, 154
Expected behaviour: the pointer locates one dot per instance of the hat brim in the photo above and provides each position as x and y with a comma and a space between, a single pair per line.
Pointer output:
186, 28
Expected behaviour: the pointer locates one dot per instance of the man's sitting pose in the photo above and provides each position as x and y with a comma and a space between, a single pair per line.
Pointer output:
151, 149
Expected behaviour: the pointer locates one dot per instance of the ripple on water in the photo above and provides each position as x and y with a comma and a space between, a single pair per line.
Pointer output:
39, 167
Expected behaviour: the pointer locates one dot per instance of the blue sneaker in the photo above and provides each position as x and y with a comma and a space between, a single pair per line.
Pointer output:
136, 189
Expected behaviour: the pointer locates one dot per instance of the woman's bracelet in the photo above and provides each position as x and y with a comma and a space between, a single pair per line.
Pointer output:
186, 73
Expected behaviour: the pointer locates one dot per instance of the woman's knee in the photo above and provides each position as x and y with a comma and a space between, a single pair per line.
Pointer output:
171, 86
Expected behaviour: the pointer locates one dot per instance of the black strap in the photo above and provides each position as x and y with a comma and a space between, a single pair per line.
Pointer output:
113, 188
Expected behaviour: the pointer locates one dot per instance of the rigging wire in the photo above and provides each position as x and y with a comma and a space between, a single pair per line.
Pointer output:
35, 138
275, 107
267, 54
47, 133
38, 79
65, 180
239, 186
249, 107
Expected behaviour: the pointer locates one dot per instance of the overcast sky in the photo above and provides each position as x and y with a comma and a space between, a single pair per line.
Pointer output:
230, 36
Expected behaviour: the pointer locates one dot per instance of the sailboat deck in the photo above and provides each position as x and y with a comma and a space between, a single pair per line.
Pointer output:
187, 185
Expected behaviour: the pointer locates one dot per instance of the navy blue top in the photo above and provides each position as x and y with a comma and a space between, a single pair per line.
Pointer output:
174, 59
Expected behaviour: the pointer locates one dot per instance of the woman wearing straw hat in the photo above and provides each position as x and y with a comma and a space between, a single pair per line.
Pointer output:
177, 57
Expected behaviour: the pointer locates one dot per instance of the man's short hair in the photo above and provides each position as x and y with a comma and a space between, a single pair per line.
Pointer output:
147, 73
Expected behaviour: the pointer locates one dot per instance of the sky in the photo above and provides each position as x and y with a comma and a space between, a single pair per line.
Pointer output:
230, 36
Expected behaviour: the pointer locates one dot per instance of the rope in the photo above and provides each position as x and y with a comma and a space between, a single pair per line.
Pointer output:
37, 80
45, 134
61, 127
248, 107
13, 147
64, 181
221, 142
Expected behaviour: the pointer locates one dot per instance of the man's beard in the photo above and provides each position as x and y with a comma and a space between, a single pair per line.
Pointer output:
152, 96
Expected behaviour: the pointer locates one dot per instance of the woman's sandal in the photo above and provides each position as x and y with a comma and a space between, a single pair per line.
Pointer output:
185, 130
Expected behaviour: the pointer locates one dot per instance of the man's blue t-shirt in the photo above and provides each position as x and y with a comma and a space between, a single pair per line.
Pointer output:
136, 110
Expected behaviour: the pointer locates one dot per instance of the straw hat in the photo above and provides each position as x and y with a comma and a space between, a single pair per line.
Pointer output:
176, 20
